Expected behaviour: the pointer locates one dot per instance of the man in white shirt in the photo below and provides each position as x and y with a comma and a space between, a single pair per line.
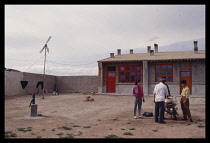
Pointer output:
160, 93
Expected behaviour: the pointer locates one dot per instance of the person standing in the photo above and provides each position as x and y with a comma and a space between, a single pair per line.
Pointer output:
185, 101
160, 93
169, 94
137, 92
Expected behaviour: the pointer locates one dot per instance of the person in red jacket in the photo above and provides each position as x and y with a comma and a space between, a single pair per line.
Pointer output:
137, 92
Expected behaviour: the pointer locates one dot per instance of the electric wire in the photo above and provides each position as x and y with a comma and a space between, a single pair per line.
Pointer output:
34, 63
68, 67
18, 60
70, 64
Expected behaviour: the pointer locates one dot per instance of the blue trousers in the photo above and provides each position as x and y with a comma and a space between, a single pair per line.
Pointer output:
159, 111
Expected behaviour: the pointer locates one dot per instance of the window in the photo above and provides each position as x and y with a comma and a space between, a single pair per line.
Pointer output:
129, 68
111, 68
129, 74
185, 74
164, 70
111, 74
138, 68
122, 68
122, 78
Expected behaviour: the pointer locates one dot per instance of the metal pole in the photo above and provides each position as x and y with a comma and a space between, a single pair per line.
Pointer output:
44, 74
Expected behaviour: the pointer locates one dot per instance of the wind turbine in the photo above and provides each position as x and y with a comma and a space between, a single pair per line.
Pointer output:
45, 48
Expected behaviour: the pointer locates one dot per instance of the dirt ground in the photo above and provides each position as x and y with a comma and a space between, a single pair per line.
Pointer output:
68, 116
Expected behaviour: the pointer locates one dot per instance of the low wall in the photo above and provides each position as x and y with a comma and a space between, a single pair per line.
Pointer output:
33, 80
12, 84
77, 83
62, 83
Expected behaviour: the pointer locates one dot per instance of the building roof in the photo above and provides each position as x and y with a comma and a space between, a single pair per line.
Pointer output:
6, 69
175, 55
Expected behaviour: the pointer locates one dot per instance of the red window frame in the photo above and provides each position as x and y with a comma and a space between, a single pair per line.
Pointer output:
166, 69
129, 71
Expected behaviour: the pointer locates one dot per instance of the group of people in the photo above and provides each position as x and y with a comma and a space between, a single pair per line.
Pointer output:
161, 92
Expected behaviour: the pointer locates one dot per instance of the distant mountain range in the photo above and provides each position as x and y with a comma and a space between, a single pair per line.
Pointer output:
184, 46
179, 46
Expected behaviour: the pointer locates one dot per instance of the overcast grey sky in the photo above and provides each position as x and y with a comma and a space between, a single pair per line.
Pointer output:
84, 34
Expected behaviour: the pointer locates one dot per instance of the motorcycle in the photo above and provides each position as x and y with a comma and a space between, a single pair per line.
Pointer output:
170, 107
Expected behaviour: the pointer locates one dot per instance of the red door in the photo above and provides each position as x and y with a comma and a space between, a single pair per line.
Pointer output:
110, 82
186, 75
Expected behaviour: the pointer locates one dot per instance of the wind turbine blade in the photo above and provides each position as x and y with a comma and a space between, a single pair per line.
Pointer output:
48, 50
48, 40
42, 49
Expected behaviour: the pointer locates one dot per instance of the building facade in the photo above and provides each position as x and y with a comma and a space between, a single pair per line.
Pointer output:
118, 73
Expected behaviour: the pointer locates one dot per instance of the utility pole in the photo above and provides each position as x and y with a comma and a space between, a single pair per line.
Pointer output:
44, 74
44, 48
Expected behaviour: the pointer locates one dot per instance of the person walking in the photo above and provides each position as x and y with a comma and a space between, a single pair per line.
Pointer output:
160, 94
137, 92
185, 101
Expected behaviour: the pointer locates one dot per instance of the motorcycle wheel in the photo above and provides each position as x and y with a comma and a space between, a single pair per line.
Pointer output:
174, 116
